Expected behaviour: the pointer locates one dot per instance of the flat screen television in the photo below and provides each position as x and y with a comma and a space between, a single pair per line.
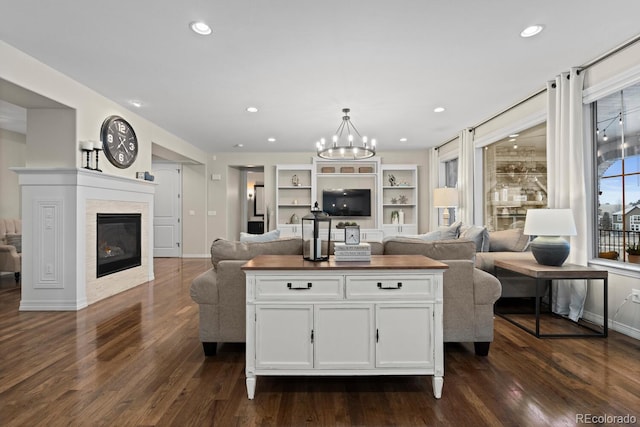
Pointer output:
347, 202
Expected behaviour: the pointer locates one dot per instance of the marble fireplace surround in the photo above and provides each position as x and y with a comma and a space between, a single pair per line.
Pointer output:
59, 208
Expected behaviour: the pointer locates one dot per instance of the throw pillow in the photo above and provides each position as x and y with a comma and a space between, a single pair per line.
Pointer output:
512, 240
266, 237
444, 232
477, 234
14, 240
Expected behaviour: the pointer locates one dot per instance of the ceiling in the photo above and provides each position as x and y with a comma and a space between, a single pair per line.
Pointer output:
300, 62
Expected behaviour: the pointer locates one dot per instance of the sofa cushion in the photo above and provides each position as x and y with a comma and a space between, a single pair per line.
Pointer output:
222, 249
512, 240
440, 250
477, 234
265, 237
9, 226
14, 240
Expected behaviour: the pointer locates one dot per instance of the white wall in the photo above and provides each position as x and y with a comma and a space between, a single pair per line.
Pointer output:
12, 154
194, 211
90, 110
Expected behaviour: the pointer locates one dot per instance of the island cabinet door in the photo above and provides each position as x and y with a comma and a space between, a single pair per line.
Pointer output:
284, 336
344, 336
404, 336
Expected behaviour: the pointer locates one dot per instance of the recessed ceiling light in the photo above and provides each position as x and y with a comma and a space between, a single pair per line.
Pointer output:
252, 109
403, 139
438, 109
201, 28
531, 31
271, 139
135, 103
239, 145
514, 135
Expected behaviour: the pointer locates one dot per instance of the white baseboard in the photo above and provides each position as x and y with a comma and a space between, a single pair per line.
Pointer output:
615, 326
196, 255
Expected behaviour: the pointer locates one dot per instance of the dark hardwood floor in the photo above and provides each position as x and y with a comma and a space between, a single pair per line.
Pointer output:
135, 360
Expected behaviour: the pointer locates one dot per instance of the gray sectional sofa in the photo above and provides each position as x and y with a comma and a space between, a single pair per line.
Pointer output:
469, 293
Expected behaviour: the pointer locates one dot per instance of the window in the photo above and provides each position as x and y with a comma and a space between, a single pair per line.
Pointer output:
451, 181
515, 177
617, 135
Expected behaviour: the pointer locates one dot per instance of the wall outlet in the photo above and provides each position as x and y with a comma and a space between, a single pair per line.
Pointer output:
635, 295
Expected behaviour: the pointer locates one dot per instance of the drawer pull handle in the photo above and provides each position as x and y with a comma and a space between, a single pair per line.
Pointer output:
390, 287
290, 286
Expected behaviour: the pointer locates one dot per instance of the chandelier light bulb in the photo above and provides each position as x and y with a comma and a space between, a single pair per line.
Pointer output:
342, 151
355, 150
335, 138
605, 137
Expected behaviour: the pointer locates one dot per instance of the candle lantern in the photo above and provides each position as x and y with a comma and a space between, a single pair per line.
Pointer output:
316, 235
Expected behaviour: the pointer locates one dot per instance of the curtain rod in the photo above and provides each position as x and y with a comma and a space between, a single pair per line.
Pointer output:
612, 52
445, 143
589, 64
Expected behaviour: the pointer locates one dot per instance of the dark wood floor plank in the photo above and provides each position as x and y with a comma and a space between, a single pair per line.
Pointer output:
135, 360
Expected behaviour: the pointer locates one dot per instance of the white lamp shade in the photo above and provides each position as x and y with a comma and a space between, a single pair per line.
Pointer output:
445, 197
549, 222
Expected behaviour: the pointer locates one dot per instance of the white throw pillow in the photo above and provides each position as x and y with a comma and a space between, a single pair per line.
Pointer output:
266, 237
444, 232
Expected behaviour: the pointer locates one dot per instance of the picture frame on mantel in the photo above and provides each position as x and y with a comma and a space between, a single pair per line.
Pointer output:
258, 200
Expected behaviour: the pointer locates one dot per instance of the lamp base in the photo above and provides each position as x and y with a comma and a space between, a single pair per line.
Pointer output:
550, 250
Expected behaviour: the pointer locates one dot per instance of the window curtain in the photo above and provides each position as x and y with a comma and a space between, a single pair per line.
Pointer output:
434, 165
566, 160
465, 176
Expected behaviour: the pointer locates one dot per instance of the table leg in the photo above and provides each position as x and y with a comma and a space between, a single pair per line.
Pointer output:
251, 386
437, 383
606, 307
538, 284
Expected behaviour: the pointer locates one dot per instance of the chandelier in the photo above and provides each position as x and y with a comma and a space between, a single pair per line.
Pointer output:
339, 149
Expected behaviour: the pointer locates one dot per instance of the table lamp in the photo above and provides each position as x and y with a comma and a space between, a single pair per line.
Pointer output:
549, 248
445, 198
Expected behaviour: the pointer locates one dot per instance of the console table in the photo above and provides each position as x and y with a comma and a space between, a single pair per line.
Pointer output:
382, 317
543, 274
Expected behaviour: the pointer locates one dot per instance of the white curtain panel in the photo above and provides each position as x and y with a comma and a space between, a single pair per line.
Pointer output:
566, 160
434, 167
465, 177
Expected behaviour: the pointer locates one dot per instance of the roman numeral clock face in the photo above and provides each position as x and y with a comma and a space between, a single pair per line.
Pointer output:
119, 142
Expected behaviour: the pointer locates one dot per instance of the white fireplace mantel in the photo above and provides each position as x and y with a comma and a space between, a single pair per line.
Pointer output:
58, 211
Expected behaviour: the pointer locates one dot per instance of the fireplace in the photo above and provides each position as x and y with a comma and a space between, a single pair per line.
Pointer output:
118, 242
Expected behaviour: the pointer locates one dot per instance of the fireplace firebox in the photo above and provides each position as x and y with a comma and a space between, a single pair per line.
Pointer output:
118, 242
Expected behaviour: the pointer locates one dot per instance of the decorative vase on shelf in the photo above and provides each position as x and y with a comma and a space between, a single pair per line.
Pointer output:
395, 215
401, 217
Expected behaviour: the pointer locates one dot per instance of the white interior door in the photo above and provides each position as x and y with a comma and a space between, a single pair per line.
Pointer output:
167, 207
